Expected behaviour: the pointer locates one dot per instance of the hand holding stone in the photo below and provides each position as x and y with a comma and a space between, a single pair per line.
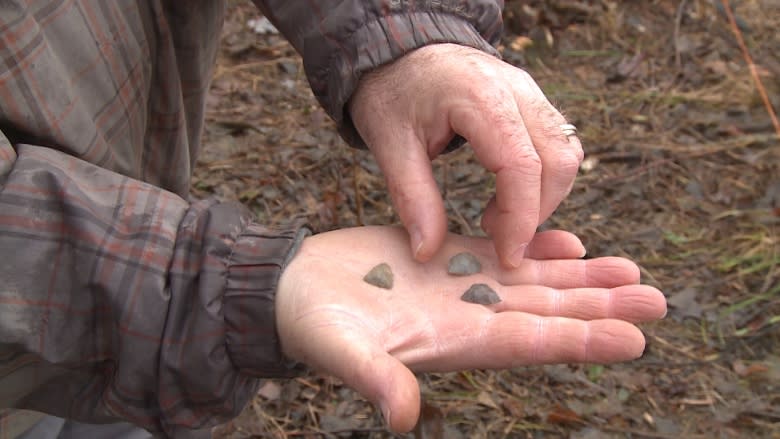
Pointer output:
554, 308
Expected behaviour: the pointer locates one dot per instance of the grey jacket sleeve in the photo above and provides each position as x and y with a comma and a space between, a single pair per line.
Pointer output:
340, 40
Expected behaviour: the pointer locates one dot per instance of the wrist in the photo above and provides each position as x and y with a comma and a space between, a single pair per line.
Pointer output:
258, 259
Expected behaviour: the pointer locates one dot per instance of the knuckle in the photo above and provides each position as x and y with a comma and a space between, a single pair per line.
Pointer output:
407, 193
493, 97
568, 162
400, 192
579, 153
524, 76
550, 120
522, 154
551, 125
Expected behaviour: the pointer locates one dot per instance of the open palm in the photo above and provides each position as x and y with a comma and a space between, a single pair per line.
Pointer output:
555, 308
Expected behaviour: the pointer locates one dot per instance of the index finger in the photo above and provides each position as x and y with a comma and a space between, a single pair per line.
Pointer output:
501, 143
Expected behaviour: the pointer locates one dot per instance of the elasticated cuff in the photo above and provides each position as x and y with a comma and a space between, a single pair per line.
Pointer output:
254, 267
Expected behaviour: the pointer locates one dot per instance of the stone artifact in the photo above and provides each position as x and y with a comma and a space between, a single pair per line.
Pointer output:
464, 264
380, 276
480, 294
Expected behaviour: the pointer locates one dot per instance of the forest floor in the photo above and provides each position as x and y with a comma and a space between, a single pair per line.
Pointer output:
682, 175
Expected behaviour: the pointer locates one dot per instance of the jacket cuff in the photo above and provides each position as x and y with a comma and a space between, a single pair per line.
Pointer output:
370, 48
258, 257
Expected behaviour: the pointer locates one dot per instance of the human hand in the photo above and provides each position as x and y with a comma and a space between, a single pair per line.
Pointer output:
555, 309
409, 110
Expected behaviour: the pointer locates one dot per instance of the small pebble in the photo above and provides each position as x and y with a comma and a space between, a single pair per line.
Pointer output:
480, 294
464, 264
380, 276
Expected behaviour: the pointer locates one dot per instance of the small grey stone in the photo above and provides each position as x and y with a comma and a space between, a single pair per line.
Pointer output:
380, 276
480, 294
464, 264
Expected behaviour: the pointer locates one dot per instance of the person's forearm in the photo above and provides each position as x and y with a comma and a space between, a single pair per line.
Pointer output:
120, 300
342, 40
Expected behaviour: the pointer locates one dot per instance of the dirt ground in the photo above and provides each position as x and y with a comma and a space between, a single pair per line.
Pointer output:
682, 175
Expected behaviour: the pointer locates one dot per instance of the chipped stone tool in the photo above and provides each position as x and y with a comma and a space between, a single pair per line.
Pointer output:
480, 294
380, 276
464, 264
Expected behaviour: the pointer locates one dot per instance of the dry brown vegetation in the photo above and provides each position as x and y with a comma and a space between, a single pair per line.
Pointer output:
682, 175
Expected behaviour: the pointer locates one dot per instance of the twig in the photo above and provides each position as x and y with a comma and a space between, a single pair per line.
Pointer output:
677, 22
461, 219
610, 181
751, 65
235, 125
262, 414
641, 433
445, 176
675, 348
356, 188
324, 433
250, 65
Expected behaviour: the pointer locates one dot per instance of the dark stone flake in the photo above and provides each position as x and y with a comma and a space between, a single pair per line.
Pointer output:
480, 294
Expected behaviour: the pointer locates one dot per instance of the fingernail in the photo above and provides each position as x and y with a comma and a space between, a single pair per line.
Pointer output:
516, 258
666, 311
584, 252
416, 238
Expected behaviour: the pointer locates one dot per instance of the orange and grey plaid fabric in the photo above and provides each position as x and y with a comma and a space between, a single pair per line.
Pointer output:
119, 300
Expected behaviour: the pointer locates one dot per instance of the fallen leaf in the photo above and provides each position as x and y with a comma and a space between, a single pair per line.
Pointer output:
684, 304
520, 43
262, 26
485, 399
330, 423
609, 406
431, 422
563, 416
628, 67
667, 426
514, 408
746, 370
270, 391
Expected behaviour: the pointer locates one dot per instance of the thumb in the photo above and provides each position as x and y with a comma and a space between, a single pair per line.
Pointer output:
393, 387
415, 195
375, 374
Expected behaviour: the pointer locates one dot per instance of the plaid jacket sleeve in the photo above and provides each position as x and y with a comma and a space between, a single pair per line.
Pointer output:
340, 40
120, 300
